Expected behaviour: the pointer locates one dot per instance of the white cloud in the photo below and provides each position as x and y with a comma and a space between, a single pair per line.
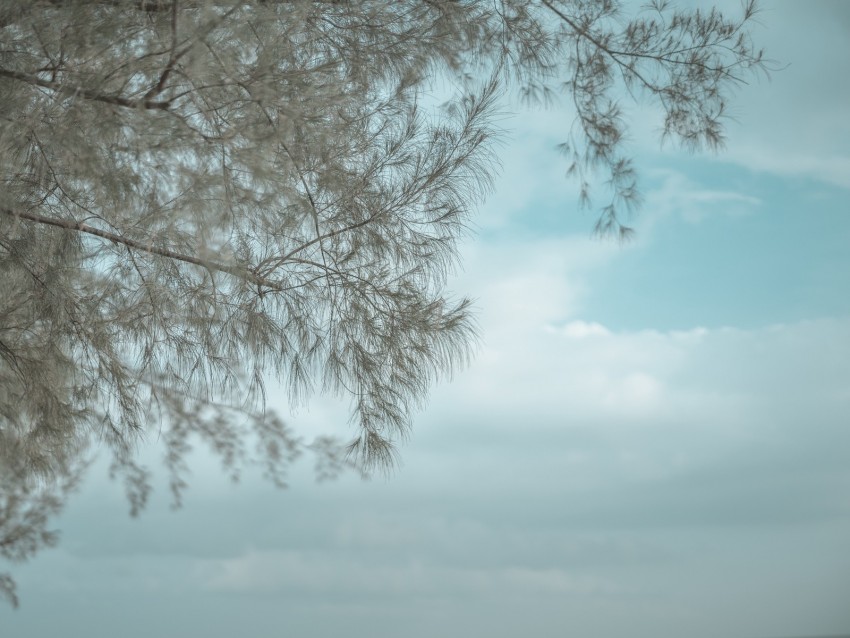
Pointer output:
576, 474
353, 575
796, 124
831, 168
682, 196
579, 329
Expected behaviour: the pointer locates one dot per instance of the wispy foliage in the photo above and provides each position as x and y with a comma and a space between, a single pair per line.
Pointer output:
201, 196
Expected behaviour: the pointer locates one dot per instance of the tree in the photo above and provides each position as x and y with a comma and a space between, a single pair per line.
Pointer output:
199, 196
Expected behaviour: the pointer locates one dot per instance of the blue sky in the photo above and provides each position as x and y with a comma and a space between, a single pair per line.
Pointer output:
652, 440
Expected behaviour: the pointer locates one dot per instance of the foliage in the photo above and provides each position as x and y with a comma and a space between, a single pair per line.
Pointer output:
200, 196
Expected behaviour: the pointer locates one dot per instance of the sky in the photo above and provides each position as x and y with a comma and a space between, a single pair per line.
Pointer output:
652, 440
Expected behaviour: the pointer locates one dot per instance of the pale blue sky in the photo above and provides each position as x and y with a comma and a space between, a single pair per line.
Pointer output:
651, 442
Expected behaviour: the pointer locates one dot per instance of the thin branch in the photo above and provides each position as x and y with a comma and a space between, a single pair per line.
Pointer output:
328, 235
657, 57
236, 271
173, 56
58, 87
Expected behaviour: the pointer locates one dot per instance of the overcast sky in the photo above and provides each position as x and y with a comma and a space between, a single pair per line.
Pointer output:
653, 440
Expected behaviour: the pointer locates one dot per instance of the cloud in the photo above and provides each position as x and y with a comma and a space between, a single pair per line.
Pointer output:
831, 168
682, 196
579, 329
795, 124
625, 428
697, 427
577, 474
363, 577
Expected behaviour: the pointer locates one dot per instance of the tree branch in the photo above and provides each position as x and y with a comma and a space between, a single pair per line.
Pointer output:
116, 100
80, 227
615, 55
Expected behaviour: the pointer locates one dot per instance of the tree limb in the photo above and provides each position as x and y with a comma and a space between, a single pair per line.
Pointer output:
236, 271
116, 100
